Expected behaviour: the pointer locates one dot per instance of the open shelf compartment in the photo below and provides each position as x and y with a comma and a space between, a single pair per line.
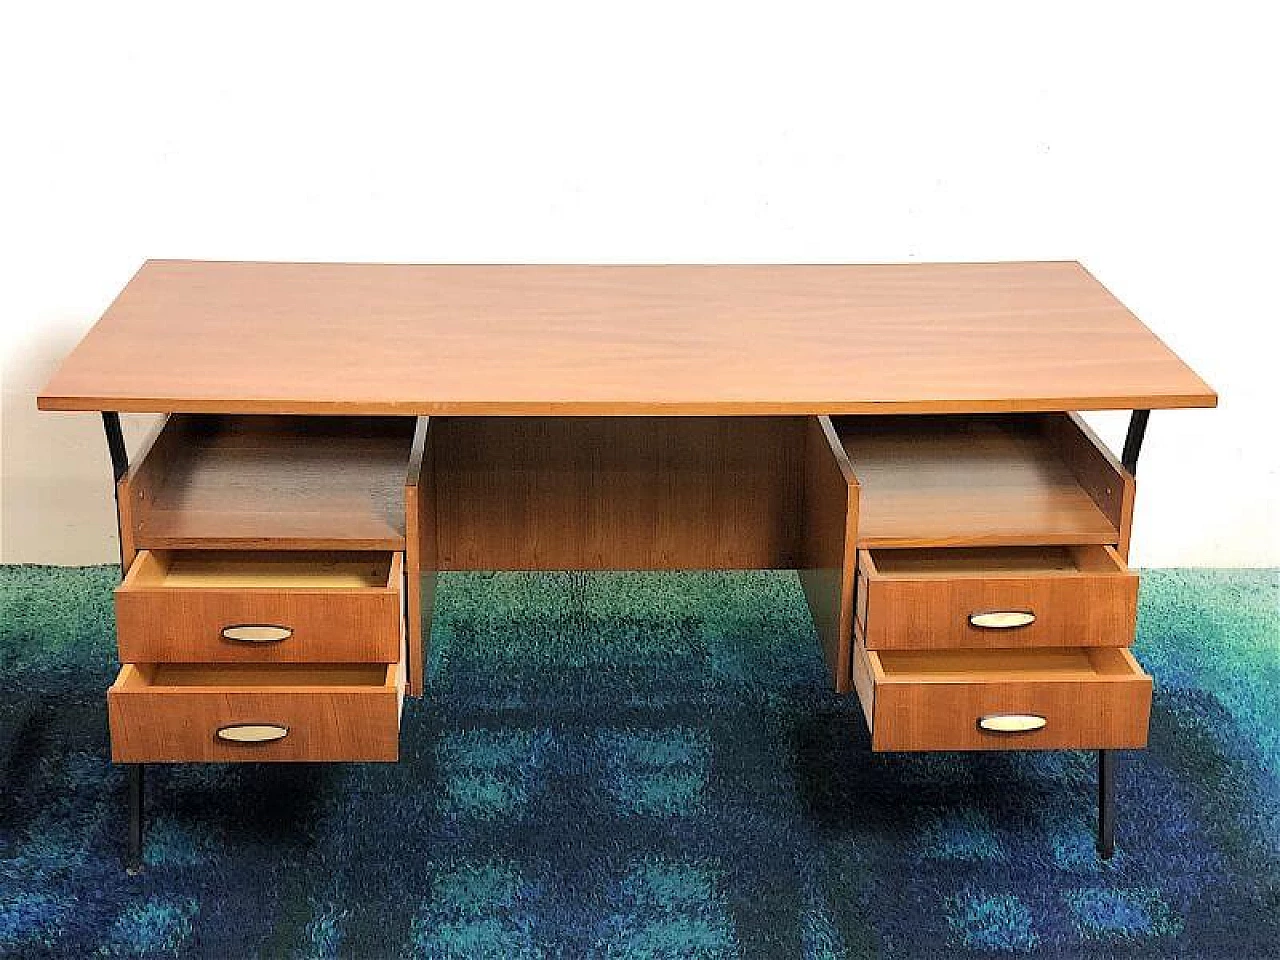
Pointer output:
970, 480
293, 483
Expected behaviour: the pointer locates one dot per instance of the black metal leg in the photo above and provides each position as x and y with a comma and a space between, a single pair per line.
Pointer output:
135, 771
115, 444
1107, 758
133, 857
1106, 803
1133, 439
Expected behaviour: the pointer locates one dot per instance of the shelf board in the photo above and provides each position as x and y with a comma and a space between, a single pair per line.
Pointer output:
313, 483
966, 481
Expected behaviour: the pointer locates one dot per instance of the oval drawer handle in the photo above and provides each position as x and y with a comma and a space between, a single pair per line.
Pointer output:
1002, 619
253, 732
256, 633
1012, 723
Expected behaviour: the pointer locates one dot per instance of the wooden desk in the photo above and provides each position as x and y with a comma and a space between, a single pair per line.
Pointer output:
904, 436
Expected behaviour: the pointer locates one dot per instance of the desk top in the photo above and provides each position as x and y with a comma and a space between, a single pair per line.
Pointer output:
202, 337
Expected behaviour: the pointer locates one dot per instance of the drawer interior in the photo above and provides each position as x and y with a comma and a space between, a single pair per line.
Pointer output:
916, 563
1027, 664
224, 676
245, 569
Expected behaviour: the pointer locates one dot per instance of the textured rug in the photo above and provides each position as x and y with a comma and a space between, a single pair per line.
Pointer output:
649, 766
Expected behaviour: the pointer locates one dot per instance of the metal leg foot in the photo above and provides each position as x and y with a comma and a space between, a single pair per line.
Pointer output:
133, 856
1106, 803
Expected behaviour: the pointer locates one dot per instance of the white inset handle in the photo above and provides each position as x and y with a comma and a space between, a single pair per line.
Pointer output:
1002, 619
256, 633
1011, 722
253, 733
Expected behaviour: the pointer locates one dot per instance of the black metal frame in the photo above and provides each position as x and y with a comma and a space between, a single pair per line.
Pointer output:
1133, 439
1107, 758
1106, 803
134, 772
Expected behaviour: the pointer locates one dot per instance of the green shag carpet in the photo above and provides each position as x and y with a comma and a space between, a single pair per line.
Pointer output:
647, 765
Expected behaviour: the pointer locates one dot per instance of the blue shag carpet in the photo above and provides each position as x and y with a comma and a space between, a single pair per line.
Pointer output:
647, 766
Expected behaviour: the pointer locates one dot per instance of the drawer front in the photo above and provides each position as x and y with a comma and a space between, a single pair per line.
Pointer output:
152, 723
158, 623
1095, 607
1002, 714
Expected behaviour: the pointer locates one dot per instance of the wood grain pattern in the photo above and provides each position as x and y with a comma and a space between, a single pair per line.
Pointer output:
916, 599
931, 700
967, 480
142, 481
163, 618
171, 713
829, 522
865, 677
279, 483
421, 562
1097, 469
253, 569
604, 340
990, 666
638, 493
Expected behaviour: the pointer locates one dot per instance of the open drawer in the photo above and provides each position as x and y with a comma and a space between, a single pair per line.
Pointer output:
188, 606
173, 713
975, 597
1026, 699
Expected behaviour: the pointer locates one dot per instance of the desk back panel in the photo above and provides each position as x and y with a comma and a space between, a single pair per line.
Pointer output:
638, 493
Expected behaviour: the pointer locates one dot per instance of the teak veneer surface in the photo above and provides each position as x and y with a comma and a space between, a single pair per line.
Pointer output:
1070, 663
420, 553
604, 340
955, 480
982, 561
170, 713
1077, 596
336, 607
236, 569
828, 523
274, 483
635, 493
304, 678
1092, 699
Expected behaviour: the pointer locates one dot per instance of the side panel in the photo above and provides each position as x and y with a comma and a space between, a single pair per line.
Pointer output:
829, 521
420, 552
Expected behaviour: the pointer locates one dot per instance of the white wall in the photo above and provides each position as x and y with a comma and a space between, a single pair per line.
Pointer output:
1138, 138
